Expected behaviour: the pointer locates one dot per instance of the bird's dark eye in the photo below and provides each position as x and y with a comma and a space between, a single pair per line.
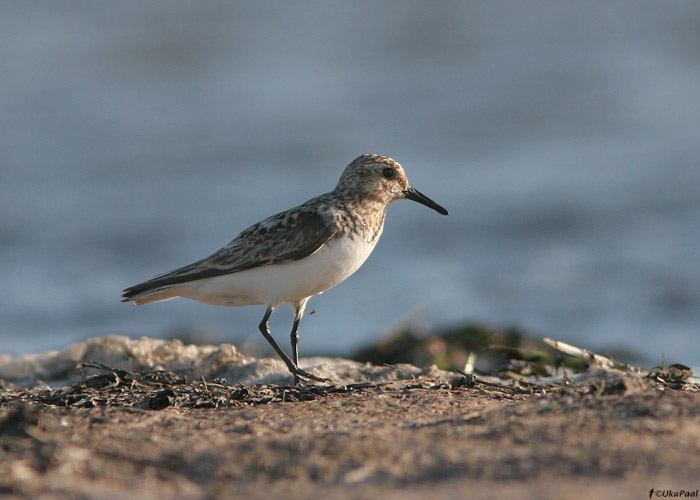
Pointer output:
388, 172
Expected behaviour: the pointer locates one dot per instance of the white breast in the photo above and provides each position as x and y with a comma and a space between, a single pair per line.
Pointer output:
282, 283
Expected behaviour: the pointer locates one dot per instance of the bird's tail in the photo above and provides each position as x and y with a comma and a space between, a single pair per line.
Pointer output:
167, 285
149, 292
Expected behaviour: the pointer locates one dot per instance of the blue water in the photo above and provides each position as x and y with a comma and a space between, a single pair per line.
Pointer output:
139, 136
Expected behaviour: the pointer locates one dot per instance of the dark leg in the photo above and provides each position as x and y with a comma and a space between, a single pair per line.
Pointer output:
294, 336
296, 371
295, 349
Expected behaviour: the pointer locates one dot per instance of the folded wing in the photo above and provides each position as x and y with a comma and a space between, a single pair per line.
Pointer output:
285, 237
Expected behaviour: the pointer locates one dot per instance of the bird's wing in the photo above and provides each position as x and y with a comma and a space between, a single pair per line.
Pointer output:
285, 237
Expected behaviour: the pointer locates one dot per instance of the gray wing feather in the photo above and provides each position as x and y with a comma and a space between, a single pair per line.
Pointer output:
285, 237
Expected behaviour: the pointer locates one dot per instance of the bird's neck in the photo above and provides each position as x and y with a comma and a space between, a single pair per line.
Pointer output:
363, 218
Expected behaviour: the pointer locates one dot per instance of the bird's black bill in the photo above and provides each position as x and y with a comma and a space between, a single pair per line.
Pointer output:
415, 195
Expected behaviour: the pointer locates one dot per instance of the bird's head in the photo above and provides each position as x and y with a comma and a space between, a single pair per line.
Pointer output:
380, 178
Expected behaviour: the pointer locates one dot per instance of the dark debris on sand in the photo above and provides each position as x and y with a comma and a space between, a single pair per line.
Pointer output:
159, 389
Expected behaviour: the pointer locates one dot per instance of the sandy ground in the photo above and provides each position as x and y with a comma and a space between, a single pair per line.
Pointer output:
118, 436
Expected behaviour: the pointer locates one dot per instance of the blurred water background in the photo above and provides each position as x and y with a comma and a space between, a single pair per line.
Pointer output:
564, 138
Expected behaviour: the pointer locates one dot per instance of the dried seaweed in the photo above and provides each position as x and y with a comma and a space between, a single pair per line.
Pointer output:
156, 390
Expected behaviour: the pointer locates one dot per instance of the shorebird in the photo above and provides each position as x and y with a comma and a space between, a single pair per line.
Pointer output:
294, 255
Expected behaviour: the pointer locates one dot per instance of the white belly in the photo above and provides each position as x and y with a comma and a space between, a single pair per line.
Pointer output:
282, 283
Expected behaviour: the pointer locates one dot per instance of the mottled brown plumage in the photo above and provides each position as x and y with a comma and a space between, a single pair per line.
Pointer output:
355, 208
311, 248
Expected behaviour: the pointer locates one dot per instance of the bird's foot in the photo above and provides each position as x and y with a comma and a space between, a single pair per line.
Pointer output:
300, 374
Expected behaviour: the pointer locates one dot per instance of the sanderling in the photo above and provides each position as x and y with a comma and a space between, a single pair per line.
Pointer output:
291, 256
